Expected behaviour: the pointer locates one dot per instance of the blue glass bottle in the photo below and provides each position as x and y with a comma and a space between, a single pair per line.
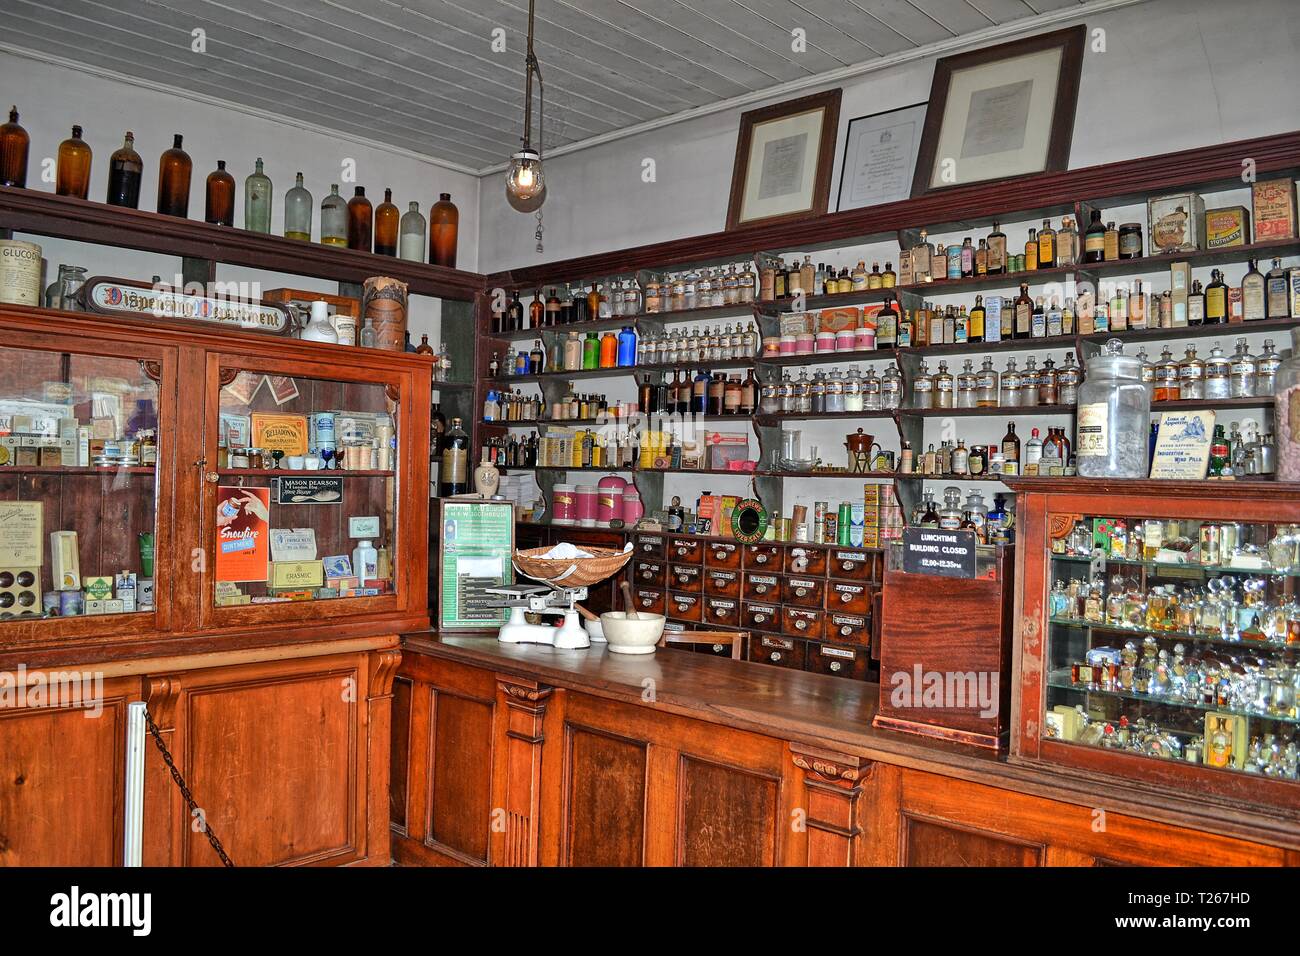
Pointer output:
626, 347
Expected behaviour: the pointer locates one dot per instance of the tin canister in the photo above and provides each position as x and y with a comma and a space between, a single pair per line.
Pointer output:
20, 272
844, 524
322, 430
819, 521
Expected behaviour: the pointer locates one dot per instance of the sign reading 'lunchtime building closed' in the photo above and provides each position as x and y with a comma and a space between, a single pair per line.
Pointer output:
931, 551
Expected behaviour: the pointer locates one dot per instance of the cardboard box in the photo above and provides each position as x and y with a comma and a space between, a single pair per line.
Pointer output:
1180, 284
273, 431
1174, 223
1227, 226
1273, 209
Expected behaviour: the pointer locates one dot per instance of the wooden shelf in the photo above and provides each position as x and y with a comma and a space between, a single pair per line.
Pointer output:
78, 469
1221, 330
1203, 257
702, 314
304, 473
1012, 411
64, 217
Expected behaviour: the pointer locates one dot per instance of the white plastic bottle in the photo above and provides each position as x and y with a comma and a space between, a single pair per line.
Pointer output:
365, 562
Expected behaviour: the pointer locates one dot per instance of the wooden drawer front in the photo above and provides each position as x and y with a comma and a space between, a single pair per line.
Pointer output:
852, 564
848, 596
686, 577
723, 611
686, 550
651, 545
848, 628
649, 600
761, 617
803, 621
650, 574
801, 559
762, 587
837, 661
684, 607
782, 651
804, 591
718, 650
722, 554
721, 582
763, 557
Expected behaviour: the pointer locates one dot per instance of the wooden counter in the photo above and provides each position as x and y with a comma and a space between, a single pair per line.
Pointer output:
526, 755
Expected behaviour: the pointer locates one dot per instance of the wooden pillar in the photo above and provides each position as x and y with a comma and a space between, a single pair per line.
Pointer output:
517, 774
379, 712
831, 800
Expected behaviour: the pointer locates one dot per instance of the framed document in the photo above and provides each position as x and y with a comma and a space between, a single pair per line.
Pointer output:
1000, 112
784, 159
880, 157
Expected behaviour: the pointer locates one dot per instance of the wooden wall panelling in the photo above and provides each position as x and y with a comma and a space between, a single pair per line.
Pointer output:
382, 667
954, 822
833, 806
518, 736
62, 780
448, 764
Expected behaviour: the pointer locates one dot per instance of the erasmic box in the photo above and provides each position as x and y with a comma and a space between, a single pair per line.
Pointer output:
1274, 209
296, 575
1227, 226
1174, 223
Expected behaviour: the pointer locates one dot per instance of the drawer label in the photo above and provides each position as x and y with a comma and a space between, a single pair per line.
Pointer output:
838, 652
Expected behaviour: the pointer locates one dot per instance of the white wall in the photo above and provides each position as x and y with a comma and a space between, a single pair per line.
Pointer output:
1176, 74
52, 98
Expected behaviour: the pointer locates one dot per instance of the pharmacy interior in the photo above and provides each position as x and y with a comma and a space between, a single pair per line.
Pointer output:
918, 452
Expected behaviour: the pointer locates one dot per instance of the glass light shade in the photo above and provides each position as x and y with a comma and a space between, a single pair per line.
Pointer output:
525, 181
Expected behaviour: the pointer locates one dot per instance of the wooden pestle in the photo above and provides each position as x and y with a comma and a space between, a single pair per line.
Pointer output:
627, 598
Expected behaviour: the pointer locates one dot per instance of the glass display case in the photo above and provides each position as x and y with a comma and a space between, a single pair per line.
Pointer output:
1171, 643
79, 488
305, 505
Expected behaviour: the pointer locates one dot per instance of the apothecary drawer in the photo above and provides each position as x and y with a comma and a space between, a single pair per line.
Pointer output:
720, 650
650, 545
686, 550
802, 559
761, 587
803, 621
650, 573
853, 564
848, 596
722, 554
760, 617
763, 557
649, 600
837, 661
804, 592
684, 607
848, 628
781, 651
721, 582
686, 577
722, 611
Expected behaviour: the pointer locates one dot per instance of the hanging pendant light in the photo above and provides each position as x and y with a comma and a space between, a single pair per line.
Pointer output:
525, 180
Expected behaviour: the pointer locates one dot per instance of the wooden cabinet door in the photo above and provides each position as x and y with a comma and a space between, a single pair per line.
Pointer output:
641, 787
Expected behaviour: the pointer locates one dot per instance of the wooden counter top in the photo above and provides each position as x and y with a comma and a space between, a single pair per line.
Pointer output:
835, 714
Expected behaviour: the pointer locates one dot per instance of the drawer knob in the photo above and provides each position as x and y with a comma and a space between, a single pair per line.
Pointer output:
647, 575
646, 602
760, 618
717, 648
801, 625
848, 565
719, 556
774, 657
761, 559
681, 551
760, 588
845, 631
800, 564
846, 597
800, 592
835, 665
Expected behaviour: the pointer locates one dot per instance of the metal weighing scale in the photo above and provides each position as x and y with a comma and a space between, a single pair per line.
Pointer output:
523, 599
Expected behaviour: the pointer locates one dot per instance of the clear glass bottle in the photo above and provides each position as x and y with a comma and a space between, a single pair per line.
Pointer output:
72, 172
334, 218
410, 244
1114, 416
257, 200
1218, 374
1009, 394
125, 167
923, 388
986, 385
944, 390
1191, 375
891, 388
1067, 381
297, 212
1266, 367
1165, 381
967, 386
1241, 382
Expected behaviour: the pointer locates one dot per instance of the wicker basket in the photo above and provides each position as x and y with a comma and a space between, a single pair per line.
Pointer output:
571, 572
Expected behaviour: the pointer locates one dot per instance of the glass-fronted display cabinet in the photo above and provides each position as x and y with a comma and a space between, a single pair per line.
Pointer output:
1170, 630
305, 500
81, 439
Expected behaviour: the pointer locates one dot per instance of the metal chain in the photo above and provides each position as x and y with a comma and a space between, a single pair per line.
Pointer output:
185, 791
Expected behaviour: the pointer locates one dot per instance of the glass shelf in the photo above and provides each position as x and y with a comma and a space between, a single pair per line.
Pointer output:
1061, 681
1205, 637
1173, 566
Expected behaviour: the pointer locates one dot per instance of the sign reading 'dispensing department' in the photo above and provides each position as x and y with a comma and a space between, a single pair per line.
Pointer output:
950, 554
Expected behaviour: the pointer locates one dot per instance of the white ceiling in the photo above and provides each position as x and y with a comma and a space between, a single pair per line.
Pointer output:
420, 75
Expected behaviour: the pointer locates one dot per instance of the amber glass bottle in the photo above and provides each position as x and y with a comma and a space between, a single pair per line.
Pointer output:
174, 171
124, 170
14, 144
361, 218
72, 175
387, 219
444, 220
220, 205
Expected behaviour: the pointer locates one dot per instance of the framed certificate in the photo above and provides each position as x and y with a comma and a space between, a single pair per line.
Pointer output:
880, 157
1003, 111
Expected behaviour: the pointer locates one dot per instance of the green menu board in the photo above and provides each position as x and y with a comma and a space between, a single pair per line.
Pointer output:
478, 540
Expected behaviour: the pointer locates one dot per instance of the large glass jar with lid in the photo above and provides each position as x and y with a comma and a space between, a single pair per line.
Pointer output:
1286, 413
1114, 417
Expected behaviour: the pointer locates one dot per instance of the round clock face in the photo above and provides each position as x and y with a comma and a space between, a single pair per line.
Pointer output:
749, 521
